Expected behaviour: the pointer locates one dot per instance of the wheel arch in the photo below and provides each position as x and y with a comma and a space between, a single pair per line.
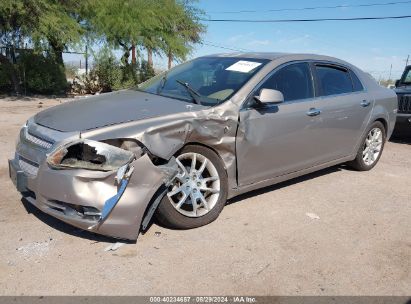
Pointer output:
383, 114
384, 123
380, 118
205, 146
160, 192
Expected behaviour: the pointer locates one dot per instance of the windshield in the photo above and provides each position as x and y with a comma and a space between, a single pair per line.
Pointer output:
406, 77
207, 80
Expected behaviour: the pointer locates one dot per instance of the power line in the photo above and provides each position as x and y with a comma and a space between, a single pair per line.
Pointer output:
224, 47
304, 20
313, 8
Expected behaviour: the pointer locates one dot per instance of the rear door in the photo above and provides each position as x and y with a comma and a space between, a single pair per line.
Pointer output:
345, 109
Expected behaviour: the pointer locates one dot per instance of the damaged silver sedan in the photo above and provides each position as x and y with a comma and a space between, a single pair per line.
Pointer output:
185, 141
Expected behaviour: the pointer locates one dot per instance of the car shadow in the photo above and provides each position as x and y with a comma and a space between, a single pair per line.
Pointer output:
267, 189
287, 183
401, 140
66, 228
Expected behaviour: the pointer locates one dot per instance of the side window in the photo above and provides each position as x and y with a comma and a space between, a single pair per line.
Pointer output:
333, 80
293, 80
357, 85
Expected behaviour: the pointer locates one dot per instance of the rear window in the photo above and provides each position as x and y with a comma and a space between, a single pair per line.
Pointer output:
333, 80
357, 85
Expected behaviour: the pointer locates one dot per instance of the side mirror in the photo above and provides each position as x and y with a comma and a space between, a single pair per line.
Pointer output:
269, 96
397, 83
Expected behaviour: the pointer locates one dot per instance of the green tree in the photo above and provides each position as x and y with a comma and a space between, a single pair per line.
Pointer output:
163, 27
167, 27
183, 29
63, 28
49, 25
121, 23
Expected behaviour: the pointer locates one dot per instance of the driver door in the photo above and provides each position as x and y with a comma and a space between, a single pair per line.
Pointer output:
277, 139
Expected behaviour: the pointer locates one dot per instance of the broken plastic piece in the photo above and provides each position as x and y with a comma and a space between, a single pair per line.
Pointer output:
153, 208
171, 170
124, 174
121, 172
114, 247
312, 216
112, 201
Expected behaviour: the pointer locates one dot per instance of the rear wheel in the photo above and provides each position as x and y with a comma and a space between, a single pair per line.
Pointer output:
198, 193
371, 149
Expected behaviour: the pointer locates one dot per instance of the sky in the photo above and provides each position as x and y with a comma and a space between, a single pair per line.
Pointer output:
371, 45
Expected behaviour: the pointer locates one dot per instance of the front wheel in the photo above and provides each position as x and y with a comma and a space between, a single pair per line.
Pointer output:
371, 149
198, 192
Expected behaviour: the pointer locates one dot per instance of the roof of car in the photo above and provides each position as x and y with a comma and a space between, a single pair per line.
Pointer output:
284, 56
274, 56
255, 55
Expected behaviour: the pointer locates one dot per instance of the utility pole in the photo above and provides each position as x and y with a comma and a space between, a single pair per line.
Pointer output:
86, 55
389, 78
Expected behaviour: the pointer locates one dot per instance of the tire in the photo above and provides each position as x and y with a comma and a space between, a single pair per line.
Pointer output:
185, 217
363, 162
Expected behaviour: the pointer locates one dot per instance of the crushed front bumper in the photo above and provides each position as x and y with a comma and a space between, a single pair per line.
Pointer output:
78, 196
17, 176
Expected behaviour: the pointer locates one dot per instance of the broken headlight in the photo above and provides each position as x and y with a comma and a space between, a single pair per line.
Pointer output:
90, 155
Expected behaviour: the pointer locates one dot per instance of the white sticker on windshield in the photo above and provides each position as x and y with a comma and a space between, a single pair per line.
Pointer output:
243, 66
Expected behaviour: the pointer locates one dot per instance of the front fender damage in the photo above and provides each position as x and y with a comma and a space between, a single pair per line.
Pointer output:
137, 183
215, 130
155, 170
141, 178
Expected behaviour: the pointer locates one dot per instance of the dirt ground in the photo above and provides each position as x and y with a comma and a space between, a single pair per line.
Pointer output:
335, 232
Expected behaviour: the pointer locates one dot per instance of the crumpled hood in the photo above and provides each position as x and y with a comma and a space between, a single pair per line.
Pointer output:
109, 109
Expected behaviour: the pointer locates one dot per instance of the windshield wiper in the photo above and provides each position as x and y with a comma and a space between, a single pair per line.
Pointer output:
193, 93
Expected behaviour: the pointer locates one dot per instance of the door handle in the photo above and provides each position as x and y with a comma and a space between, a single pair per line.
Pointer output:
313, 112
365, 103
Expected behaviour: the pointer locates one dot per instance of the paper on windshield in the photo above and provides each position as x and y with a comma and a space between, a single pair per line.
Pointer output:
243, 66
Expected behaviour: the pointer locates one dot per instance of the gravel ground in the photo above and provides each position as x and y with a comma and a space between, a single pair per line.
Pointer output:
335, 232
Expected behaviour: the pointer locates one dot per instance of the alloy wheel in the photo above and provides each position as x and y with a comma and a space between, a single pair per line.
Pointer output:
196, 187
372, 146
